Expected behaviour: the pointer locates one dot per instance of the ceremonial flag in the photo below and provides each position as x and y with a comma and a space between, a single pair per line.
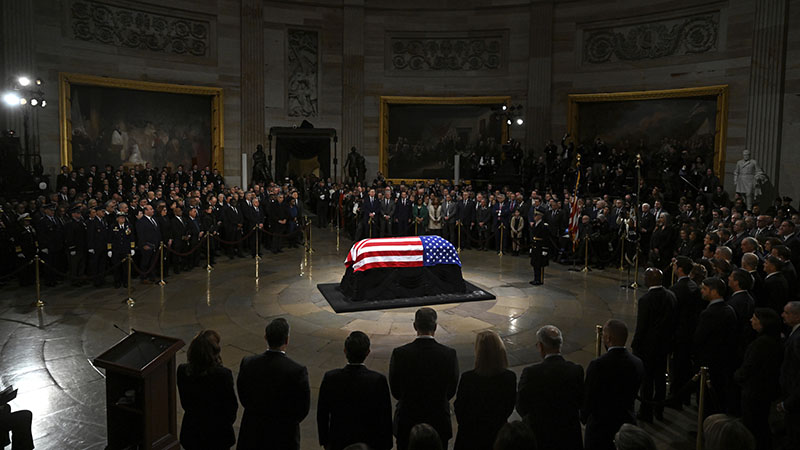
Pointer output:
574, 214
414, 251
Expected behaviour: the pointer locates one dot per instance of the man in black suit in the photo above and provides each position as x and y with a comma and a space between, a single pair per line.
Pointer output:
550, 395
739, 283
714, 342
402, 214
97, 241
750, 263
278, 218
790, 377
275, 394
465, 212
776, 288
790, 239
655, 320
354, 403
233, 227
180, 239
612, 382
372, 213
387, 213
540, 247
688, 307
148, 237
423, 376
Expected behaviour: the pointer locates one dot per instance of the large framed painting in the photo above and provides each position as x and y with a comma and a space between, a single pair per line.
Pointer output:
655, 124
130, 123
420, 136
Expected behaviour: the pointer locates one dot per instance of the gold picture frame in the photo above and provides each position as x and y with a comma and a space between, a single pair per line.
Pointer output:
387, 100
67, 80
718, 91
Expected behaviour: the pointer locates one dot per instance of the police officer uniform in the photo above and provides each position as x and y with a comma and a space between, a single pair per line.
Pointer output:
120, 245
540, 245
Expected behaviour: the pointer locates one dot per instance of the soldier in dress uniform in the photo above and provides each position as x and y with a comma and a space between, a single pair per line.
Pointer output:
26, 248
208, 226
97, 242
120, 244
540, 239
75, 240
51, 236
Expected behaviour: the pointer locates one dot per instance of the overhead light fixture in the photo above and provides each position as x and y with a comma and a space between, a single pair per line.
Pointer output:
23, 81
508, 121
23, 101
520, 121
34, 102
11, 99
44, 103
505, 107
39, 82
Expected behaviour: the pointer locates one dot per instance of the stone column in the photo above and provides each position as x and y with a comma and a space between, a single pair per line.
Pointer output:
352, 132
18, 57
252, 63
765, 103
540, 63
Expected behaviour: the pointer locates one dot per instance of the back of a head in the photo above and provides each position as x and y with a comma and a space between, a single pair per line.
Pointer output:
425, 320
716, 285
617, 332
685, 264
723, 432
653, 276
515, 435
204, 352
490, 354
550, 337
770, 321
356, 347
424, 437
277, 333
631, 437
750, 261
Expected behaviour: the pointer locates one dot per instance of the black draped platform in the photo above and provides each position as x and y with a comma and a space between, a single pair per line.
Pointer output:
385, 288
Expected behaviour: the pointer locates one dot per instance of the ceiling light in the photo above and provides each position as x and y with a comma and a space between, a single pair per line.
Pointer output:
34, 102
11, 99
520, 121
23, 81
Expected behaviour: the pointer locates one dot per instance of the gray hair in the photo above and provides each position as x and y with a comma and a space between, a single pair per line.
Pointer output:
750, 260
725, 251
631, 437
550, 337
794, 306
723, 432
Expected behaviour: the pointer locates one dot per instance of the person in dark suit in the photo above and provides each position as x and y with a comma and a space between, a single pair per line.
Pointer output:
402, 214
551, 393
759, 375
179, 227
148, 237
354, 403
655, 320
274, 393
423, 376
121, 244
739, 283
790, 376
776, 287
372, 214
687, 310
206, 392
279, 218
233, 227
387, 213
714, 342
750, 263
465, 213
486, 394
612, 382
19, 424
501, 216
75, 243
540, 246
97, 242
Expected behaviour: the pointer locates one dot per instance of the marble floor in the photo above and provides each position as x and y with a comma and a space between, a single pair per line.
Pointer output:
47, 352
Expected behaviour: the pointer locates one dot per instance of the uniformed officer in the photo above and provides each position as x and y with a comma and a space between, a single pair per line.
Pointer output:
120, 245
75, 239
51, 237
540, 238
26, 248
97, 242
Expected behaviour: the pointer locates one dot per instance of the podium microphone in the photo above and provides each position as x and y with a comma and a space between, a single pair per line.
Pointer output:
120, 329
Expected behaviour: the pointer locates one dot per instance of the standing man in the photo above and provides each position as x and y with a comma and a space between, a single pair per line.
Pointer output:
790, 377
278, 216
387, 213
97, 241
612, 382
655, 324
501, 219
121, 244
275, 394
449, 213
687, 309
423, 376
402, 216
233, 227
148, 236
540, 237
75, 240
550, 395
372, 210
354, 403
465, 213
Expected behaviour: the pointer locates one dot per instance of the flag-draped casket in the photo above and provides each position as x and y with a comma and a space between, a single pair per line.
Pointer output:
402, 267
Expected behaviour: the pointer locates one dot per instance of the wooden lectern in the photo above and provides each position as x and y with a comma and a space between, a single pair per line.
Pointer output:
140, 392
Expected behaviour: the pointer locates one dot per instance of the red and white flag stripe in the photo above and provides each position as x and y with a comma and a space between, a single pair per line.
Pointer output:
386, 252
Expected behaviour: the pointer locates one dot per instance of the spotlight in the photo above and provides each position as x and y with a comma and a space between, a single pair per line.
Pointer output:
44, 103
23, 101
508, 121
11, 99
34, 102
520, 121
39, 82
23, 81
505, 107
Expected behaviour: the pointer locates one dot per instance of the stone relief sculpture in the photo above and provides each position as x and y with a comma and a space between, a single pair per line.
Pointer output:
303, 64
126, 27
451, 54
683, 36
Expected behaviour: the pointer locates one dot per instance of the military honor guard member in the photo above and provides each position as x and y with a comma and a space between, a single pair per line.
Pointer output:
540, 237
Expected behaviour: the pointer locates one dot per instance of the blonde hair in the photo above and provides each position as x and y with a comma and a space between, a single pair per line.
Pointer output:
490, 354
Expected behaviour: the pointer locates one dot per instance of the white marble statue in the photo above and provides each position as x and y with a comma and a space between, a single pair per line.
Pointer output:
747, 177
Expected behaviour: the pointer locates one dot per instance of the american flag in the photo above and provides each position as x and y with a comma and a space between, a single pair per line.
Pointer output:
414, 251
574, 214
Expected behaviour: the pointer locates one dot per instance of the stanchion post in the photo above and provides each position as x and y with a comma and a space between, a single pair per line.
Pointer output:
161, 255
635, 283
310, 248
586, 254
258, 249
208, 252
130, 300
458, 227
701, 404
502, 227
598, 345
622, 253
38, 303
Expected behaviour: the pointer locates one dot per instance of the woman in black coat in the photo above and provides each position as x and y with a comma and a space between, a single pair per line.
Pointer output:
207, 396
486, 395
759, 374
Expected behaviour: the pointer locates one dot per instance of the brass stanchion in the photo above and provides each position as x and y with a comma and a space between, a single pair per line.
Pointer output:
502, 227
208, 253
161, 255
458, 226
416, 224
586, 253
337, 235
701, 403
598, 345
130, 300
38, 303
308, 227
258, 249
622, 253
635, 283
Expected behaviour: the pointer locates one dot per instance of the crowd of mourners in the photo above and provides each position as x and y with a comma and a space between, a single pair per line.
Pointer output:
722, 294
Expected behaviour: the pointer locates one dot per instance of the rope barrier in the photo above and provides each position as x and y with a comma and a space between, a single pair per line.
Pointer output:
16, 271
190, 252
223, 241
81, 277
152, 267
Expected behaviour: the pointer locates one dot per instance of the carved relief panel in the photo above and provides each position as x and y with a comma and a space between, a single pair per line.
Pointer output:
412, 53
302, 62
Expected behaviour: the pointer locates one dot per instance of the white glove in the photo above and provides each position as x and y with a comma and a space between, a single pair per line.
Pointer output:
109, 253
20, 255
133, 252
91, 251
45, 251
72, 253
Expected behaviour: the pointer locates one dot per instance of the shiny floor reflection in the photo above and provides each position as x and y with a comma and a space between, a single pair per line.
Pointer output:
47, 352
